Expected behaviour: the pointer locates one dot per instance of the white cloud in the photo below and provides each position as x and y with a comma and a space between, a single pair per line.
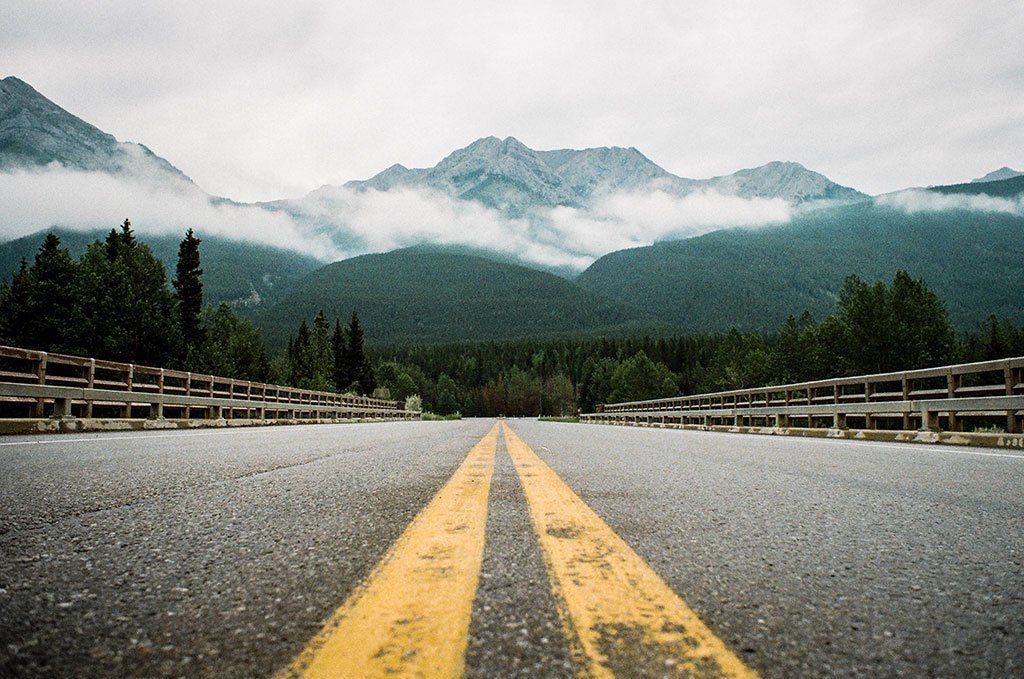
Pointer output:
55, 196
258, 99
622, 220
917, 200
338, 222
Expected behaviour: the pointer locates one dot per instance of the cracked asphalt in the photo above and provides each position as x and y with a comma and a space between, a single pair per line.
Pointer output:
221, 553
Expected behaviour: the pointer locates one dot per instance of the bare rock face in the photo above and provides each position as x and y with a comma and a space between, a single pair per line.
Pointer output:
508, 175
998, 175
35, 132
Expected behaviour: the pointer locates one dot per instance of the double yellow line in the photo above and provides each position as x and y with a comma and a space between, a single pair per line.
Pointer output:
411, 616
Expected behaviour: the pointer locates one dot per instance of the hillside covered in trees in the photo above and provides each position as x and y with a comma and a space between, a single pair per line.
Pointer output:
115, 302
241, 273
877, 327
426, 295
754, 279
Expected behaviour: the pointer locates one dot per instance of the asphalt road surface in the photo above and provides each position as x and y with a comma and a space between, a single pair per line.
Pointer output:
533, 549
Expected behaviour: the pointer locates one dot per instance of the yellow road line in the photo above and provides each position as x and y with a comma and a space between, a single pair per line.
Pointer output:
619, 616
410, 617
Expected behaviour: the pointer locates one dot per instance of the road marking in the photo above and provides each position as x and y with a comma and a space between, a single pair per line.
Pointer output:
620, 617
411, 616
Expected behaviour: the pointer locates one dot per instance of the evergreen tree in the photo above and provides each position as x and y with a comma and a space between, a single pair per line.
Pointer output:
126, 311
448, 399
302, 358
112, 245
127, 235
321, 354
52, 299
15, 307
639, 378
188, 290
357, 365
339, 355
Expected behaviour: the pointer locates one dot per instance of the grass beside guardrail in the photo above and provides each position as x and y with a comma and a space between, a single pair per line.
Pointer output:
434, 417
574, 420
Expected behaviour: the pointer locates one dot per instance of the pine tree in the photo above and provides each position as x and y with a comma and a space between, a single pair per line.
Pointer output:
125, 310
52, 299
15, 307
112, 246
302, 357
358, 367
188, 290
320, 352
127, 235
339, 352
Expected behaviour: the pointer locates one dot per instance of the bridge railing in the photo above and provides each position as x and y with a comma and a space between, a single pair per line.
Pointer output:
985, 396
38, 384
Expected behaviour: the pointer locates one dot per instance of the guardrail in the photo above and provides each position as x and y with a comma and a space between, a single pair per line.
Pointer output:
41, 391
956, 403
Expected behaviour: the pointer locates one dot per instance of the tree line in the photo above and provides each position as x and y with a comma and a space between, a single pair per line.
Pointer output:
877, 327
114, 302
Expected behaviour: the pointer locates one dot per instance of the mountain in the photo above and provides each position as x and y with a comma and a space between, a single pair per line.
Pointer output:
1001, 173
240, 273
35, 132
787, 180
754, 278
423, 295
1001, 188
508, 175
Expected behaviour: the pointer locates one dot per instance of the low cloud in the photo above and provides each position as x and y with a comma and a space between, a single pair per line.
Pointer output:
338, 222
622, 220
57, 196
920, 200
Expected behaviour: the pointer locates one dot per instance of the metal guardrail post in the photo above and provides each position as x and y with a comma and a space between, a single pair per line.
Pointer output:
1013, 421
41, 379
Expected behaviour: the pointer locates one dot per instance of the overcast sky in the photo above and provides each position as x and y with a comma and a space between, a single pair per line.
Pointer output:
262, 100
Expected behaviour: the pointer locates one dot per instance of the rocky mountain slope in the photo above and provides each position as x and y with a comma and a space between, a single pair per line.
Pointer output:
508, 175
996, 175
36, 132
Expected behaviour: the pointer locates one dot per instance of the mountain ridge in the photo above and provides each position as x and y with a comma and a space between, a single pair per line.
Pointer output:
507, 174
35, 132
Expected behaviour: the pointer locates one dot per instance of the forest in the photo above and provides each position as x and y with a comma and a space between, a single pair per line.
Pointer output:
115, 302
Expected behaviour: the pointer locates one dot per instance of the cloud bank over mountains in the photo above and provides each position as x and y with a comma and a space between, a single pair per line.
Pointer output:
35, 199
558, 209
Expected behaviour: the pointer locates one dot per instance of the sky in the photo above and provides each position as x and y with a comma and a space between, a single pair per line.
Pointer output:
263, 100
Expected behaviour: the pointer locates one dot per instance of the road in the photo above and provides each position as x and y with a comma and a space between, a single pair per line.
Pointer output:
534, 549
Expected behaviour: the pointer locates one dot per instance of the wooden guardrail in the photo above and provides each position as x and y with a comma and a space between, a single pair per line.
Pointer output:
972, 397
71, 389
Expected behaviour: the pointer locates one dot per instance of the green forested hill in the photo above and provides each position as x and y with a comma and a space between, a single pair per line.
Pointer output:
233, 270
420, 295
754, 278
